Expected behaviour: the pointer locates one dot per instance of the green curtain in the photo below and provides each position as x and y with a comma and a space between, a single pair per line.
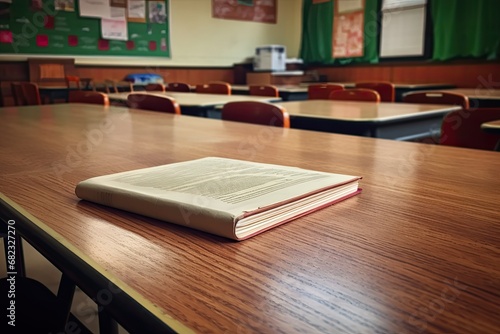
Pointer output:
317, 30
466, 29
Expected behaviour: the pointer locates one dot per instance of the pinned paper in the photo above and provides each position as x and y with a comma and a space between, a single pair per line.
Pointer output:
95, 8
136, 11
115, 27
152, 45
6, 37
72, 40
42, 40
49, 22
65, 5
103, 45
130, 45
157, 12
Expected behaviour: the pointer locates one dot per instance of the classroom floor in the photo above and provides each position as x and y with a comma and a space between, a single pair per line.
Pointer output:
37, 267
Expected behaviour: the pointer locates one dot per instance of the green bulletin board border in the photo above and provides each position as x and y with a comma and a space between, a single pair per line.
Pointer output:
24, 28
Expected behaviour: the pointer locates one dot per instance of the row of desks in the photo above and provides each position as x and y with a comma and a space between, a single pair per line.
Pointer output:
401, 121
417, 251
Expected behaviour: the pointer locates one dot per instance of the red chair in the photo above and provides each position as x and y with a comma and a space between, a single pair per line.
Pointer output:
31, 94
155, 87
153, 102
263, 90
386, 90
214, 87
178, 87
256, 112
355, 94
73, 82
83, 96
462, 128
18, 94
437, 98
322, 91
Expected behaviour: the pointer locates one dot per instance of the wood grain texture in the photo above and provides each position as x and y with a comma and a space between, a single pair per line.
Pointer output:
362, 111
418, 251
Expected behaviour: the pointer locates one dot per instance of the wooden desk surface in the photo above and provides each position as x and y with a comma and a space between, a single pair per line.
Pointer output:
199, 100
476, 93
362, 111
491, 127
418, 251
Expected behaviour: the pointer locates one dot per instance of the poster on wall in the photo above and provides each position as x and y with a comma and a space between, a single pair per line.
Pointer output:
264, 11
95, 8
136, 11
348, 29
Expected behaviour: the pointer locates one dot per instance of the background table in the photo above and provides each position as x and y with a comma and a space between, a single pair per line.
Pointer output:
197, 104
417, 251
479, 97
401, 121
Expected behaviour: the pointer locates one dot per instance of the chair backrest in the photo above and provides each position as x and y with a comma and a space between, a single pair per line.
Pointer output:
31, 94
155, 87
256, 112
355, 94
178, 87
92, 97
215, 87
437, 98
18, 94
114, 86
73, 82
153, 102
263, 90
321, 91
462, 128
386, 90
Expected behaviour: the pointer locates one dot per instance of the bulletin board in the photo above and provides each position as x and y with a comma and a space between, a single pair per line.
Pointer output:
264, 11
348, 28
58, 27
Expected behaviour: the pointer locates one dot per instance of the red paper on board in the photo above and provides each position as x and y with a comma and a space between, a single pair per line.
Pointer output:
49, 22
72, 40
152, 45
42, 40
103, 45
130, 45
6, 37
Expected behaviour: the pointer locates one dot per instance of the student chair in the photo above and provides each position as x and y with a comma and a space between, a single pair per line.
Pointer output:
153, 102
17, 93
355, 94
256, 112
31, 94
177, 87
91, 97
73, 82
113, 86
321, 91
155, 87
437, 98
386, 90
214, 87
263, 90
462, 128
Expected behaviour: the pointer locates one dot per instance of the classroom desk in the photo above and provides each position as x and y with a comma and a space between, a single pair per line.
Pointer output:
492, 127
53, 93
417, 251
286, 92
299, 92
401, 121
479, 97
196, 104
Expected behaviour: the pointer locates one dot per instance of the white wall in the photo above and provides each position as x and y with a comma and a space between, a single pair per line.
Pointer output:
197, 39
